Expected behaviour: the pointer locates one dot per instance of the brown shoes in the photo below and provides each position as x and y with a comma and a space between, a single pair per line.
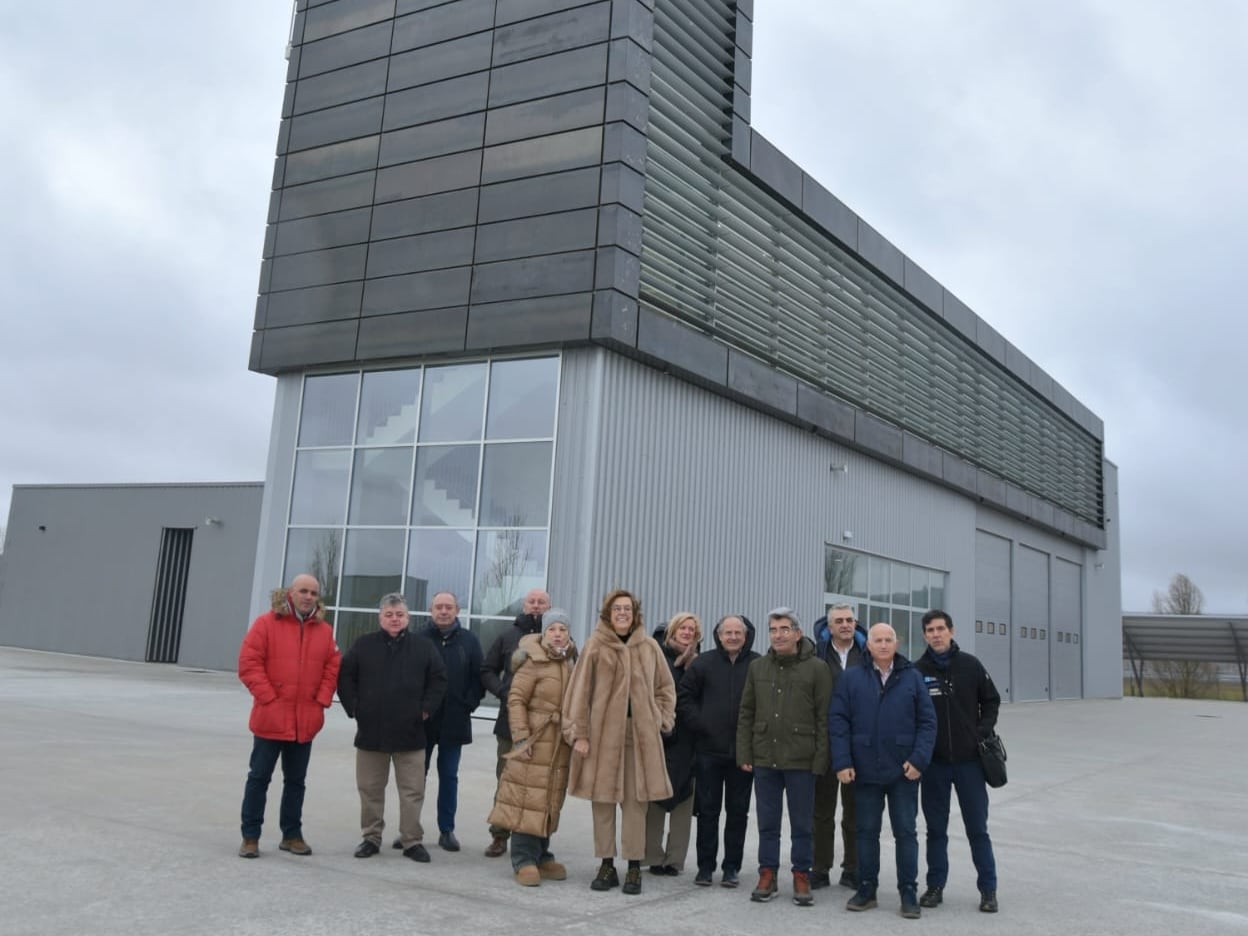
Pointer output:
497, 848
766, 888
801, 889
249, 849
528, 876
552, 871
296, 846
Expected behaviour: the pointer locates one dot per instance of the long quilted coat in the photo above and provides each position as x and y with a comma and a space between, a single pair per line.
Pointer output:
532, 789
291, 670
611, 677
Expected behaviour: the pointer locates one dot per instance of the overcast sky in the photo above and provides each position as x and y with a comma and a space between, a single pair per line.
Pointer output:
1074, 171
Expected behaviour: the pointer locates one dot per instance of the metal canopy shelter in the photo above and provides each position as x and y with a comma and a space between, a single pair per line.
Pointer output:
1201, 638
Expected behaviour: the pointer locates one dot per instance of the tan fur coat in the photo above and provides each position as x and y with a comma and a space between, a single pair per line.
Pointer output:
610, 675
532, 788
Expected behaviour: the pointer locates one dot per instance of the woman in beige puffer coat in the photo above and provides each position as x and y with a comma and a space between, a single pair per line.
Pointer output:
534, 783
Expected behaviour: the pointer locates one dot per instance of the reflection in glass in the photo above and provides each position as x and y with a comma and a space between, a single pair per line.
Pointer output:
937, 580
918, 646
438, 560
453, 403
900, 619
388, 408
372, 566
879, 580
838, 571
354, 624
515, 484
509, 563
320, 487
319, 554
901, 583
328, 413
522, 399
446, 485
919, 591
380, 486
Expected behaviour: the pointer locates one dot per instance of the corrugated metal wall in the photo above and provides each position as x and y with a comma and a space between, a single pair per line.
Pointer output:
699, 503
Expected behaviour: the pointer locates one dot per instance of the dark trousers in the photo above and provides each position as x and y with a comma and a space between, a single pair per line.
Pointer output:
903, 809
264, 755
826, 789
968, 779
771, 788
721, 784
448, 781
529, 849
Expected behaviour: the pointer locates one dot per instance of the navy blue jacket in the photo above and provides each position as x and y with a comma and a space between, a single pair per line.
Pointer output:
461, 652
876, 729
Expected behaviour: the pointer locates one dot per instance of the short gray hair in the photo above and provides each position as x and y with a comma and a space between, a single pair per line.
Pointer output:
783, 612
842, 606
392, 599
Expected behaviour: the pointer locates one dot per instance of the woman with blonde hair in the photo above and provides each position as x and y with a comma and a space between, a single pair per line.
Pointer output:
680, 641
622, 700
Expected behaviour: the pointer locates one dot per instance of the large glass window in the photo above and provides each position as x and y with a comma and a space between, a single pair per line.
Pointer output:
421, 480
884, 590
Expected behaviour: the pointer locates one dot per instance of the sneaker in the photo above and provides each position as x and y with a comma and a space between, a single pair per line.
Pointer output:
632, 880
606, 878
448, 842
703, 879
249, 849
862, 900
528, 876
820, 880
417, 852
849, 879
367, 849
729, 878
988, 901
296, 846
766, 888
552, 871
801, 889
932, 897
497, 847
909, 905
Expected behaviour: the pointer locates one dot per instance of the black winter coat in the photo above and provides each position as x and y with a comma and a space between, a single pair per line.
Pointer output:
496, 670
388, 684
678, 746
708, 698
975, 696
461, 652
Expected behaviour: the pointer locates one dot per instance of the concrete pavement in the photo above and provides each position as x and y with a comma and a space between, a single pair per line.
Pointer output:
120, 786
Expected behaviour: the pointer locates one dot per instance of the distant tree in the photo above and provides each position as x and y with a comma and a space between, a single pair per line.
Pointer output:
1182, 597
1183, 679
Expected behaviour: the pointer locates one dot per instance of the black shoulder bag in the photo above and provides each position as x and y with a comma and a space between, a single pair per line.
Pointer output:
992, 754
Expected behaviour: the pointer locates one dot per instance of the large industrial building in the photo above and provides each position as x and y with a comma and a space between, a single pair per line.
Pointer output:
545, 310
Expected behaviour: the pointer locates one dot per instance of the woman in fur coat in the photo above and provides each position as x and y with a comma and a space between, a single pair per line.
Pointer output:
621, 703
535, 777
680, 641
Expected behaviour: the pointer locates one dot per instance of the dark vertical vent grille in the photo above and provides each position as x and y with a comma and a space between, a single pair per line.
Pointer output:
722, 254
164, 632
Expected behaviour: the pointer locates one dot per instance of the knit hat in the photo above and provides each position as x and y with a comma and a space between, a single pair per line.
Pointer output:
555, 616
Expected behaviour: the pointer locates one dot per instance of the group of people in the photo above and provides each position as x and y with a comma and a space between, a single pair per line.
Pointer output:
648, 729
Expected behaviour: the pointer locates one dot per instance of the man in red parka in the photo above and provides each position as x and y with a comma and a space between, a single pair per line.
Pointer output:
289, 663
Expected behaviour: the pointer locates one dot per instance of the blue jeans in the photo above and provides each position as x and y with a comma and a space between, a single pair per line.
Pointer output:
448, 782
968, 779
770, 788
264, 755
720, 783
903, 810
